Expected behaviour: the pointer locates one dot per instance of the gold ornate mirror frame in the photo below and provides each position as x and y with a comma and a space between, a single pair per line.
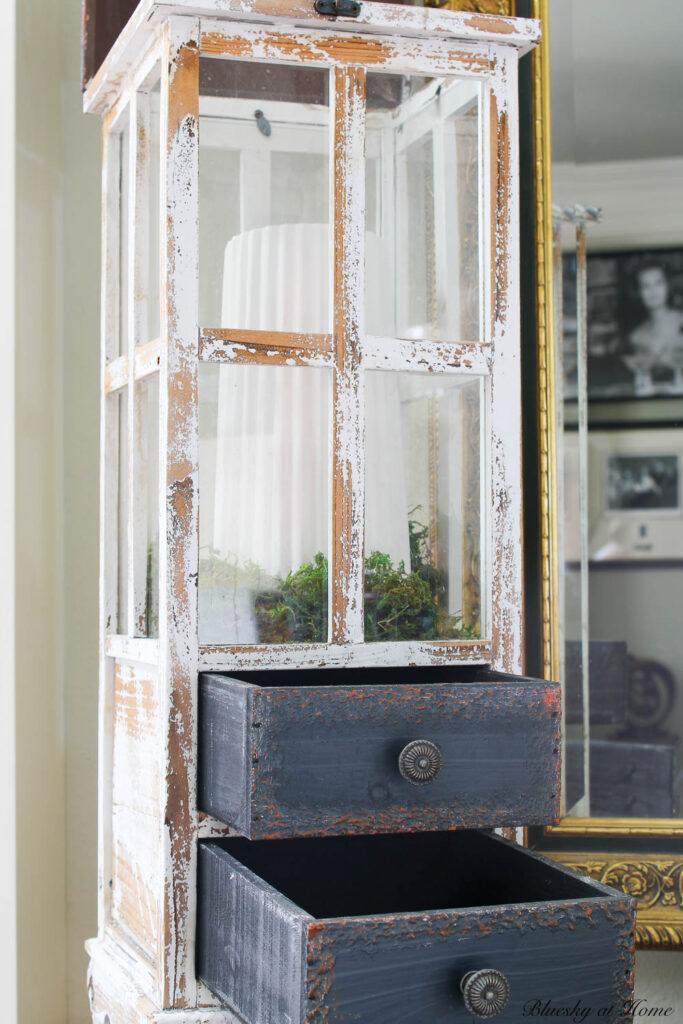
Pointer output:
641, 856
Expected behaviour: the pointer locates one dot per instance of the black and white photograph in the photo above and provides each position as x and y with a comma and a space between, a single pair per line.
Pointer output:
635, 514
635, 324
636, 482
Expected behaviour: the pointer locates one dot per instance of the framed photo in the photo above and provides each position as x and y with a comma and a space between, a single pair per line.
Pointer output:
634, 495
635, 324
639, 482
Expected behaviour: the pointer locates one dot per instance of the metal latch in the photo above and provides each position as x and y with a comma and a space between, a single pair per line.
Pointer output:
338, 8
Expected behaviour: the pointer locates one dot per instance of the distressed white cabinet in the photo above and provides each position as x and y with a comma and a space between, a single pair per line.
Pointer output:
310, 406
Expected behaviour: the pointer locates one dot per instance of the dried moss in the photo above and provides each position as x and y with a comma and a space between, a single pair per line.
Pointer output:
400, 603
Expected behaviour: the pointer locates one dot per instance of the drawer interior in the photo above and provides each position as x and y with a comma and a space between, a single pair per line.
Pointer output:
355, 876
411, 675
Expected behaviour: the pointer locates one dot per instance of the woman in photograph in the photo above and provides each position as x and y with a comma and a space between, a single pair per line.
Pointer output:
657, 342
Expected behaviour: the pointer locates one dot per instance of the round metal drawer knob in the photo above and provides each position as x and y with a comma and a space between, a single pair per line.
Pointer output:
420, 762
485, 993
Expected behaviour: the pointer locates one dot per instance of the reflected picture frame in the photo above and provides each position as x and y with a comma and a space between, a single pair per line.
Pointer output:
635, 497
635, 325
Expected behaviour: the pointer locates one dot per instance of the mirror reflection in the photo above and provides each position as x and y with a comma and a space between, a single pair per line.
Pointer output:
617, 143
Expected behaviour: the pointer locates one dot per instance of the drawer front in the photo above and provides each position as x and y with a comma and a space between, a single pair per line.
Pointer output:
328, 760
554, 958
283, 942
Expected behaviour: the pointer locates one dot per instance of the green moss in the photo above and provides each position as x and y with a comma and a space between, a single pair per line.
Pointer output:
400, 603
296, 612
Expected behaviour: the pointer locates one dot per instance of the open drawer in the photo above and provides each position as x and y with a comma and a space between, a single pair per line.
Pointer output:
418, 929
285, 753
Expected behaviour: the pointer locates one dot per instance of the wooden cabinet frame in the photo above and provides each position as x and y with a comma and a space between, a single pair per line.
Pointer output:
148, 825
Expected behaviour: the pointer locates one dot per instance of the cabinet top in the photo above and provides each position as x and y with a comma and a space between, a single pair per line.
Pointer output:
109, 59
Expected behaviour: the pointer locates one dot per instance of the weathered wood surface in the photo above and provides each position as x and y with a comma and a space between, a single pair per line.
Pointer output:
118, 995
178, 502
267, 44
103, 20
136, 876
380, 943
314, 656
348, 453
225, 752
103, 84
506, 412
259, 932
292, 759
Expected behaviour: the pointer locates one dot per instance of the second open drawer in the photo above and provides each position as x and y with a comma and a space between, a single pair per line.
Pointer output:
443, 928
377, 750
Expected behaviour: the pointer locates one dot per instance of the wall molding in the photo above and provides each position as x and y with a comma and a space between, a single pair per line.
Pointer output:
640, 200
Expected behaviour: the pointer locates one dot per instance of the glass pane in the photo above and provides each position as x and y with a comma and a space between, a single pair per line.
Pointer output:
623, 732
424, 554
264, 237
124, 214
263, 475
146, 485
150, 323
422, 211
572, 466
121, 401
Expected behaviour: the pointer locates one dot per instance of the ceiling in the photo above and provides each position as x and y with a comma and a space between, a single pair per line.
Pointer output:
616, 76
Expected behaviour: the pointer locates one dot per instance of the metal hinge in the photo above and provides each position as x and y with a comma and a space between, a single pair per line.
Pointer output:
338, 8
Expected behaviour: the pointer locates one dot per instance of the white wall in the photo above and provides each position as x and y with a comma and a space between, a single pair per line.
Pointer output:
641, 200
8, 864
56, 451
81, 163
39, 723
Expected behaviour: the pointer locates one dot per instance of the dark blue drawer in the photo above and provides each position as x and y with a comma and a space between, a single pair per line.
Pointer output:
383, 929
325, 753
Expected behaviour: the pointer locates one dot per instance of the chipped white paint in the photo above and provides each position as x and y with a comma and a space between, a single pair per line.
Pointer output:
426, 356
137, 882
293, 46
410, 652
211, 828
143, 650
127, 53
234, 346
142, 964
178, 501
505, 529
147, 360
347, 482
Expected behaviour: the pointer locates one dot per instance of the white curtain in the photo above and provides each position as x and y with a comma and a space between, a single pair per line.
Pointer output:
271, 496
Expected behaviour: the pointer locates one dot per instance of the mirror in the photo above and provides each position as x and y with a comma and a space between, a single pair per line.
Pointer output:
615, 444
